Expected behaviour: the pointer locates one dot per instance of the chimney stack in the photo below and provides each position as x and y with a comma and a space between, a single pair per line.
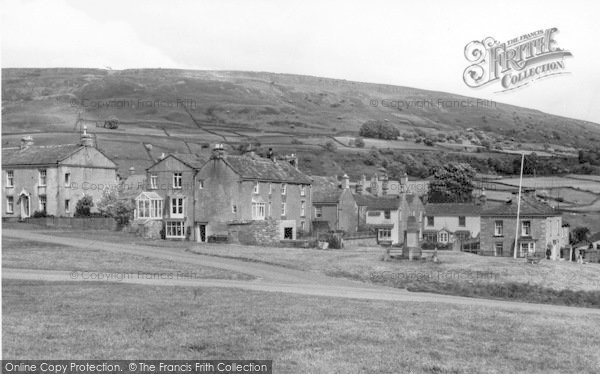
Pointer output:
218, 151
345, 182
384, 184
132, 170
26, 141
86, 139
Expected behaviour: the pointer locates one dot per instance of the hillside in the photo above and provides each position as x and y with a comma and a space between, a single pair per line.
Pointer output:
182, 110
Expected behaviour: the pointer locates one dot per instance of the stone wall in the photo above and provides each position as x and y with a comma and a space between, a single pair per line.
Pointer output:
79, 223
265, 232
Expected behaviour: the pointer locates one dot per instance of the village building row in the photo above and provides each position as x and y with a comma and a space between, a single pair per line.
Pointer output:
259, 200
53, 178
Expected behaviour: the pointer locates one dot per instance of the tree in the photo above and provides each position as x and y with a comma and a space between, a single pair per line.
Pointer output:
453, 183
119, 209
84, 206
378, 130
579, 234
330, 146
359, 143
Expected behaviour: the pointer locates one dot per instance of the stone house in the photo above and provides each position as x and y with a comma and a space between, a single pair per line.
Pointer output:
53, 178
245, 198
389, 216
171, 191
446, 223
540, 228
334, 207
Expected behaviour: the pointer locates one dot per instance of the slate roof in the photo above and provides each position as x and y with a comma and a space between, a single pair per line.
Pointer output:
452, 209
529, 207
326, 190
37, 154
378, 203
192, 160
266, 170
595, 237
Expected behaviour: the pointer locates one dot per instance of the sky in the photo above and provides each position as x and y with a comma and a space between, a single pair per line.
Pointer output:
416, 44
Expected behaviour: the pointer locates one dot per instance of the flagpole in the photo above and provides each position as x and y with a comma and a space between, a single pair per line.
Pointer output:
519, 205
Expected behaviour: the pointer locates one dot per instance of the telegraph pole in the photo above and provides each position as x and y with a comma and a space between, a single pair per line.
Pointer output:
519, 206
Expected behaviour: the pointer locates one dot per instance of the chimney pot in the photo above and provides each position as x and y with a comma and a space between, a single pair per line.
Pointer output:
26, 141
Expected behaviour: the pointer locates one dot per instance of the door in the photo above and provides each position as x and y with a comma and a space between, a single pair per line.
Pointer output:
288, 233
200, 233
24, 206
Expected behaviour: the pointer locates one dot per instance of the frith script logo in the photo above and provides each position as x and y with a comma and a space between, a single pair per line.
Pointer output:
516, 62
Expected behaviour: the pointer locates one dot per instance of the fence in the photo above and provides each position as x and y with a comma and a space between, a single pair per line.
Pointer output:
76, 223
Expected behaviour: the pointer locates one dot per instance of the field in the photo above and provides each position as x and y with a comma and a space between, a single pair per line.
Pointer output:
301, 334
364, 263
18, 254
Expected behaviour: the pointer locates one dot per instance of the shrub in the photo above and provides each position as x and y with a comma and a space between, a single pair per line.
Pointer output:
379, 130
84, 206
359, 143
330, 146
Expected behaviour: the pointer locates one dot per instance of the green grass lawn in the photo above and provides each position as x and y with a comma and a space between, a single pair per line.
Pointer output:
28, 254
301, 334
364, 263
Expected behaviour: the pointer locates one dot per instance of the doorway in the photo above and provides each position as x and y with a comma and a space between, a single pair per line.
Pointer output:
288, 233
201, 233
24, 206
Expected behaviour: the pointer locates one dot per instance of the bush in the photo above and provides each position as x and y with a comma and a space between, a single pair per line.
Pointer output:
359, 143
40, 214
379, 130
84, 206
330, 146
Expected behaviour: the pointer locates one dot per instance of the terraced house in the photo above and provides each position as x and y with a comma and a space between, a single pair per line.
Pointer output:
245, 198
51, 179
540, 228
446, 223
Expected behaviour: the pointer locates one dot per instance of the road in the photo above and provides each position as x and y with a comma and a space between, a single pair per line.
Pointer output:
270, 278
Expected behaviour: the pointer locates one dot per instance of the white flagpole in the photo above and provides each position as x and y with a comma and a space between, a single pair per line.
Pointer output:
519, 205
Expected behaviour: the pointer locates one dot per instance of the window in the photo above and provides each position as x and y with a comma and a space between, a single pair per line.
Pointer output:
318, 212
258, 211
387, 214
256, 187
10, 204
384, 234
498, 228
153, 181
526, 228
10, 178
234, 209
175, 229
430, 237
462, 221
302, 190
498, 248
443, 237
67, 205
147, 207
527, 248
200, 185
420, 216
43, 174
67, 179
302, 226
429, 220
177, 207
177, 180
302, 208
270, 210
270, 188
283, 209
283, 188
43, 203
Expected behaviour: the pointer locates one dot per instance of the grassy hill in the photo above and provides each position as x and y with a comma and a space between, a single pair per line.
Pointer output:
183, 111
